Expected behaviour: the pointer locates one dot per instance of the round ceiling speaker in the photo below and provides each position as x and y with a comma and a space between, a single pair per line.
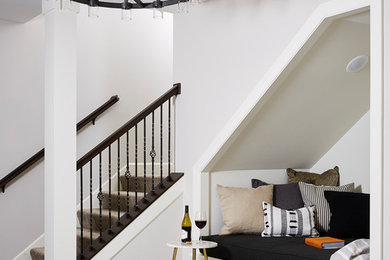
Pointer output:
357, 63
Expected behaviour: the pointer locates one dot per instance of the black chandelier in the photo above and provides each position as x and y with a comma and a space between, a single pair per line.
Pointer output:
138, 4
127, 6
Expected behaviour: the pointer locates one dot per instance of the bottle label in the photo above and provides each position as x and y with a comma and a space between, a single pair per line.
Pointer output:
183, 234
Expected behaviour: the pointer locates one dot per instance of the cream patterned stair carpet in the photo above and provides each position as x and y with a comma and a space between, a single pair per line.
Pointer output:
38, 253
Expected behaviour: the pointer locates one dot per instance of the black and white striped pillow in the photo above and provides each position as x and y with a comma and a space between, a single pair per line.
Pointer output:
314, 195
291, 223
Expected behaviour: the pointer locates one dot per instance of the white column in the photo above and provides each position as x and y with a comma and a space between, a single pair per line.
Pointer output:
386, 170
376, 132
60, 134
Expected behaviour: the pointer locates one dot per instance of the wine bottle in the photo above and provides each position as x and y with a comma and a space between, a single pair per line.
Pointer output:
186, 227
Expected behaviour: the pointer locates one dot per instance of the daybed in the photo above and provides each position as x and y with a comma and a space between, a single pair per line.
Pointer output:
276, 228
255, 247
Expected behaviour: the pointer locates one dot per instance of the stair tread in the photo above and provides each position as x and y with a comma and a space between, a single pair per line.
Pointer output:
122, 193
105, 212
123, 199
141, 175
38, 249
86, 233
37, 253
141, 179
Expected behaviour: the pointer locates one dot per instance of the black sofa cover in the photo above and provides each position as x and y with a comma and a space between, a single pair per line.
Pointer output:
255, 247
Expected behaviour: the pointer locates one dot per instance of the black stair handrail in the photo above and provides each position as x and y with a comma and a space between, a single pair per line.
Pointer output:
174, 91
92, 117
39, 155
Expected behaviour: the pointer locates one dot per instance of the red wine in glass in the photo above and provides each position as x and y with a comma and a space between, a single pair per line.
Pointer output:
200, 221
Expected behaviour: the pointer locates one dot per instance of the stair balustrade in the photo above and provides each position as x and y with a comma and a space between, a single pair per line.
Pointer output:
123, 184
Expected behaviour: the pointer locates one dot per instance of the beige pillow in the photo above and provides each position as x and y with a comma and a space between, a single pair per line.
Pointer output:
242, 208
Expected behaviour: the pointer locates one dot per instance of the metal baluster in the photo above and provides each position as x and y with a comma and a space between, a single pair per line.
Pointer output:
109, 190
127, 175
90, 205
161, 146
169, 139
81, 214
144, 159
119, 184
136, 167
100, 197
153, 154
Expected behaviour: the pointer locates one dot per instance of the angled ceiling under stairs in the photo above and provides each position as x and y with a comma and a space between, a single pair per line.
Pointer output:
313, 104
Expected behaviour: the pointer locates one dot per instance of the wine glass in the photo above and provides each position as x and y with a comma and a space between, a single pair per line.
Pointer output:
200, 221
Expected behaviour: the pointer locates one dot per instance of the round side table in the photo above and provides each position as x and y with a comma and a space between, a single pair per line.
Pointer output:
194, 246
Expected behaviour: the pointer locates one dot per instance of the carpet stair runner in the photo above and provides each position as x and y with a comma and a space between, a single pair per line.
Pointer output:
38, 253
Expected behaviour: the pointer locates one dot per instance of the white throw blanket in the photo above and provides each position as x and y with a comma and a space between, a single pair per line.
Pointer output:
356, 250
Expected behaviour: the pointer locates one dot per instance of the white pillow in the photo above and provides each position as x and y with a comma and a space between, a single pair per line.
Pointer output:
290, 223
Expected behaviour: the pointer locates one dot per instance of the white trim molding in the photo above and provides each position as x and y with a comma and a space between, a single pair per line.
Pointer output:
379, 134
386, 130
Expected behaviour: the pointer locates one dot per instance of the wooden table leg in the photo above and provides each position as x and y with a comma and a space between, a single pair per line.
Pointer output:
205, 254
194, 254
174, 253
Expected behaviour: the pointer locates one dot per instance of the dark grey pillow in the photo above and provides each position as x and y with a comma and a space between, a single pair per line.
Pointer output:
286, 196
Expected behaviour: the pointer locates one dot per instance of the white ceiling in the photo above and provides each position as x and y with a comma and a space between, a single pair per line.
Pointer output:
19, 11
312, 108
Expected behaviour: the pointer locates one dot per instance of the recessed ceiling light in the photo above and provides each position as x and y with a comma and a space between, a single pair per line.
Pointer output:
357, 63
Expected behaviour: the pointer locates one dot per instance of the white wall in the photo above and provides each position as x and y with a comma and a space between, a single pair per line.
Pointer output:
221, 50
166, 227
352, 154
19, 11
21, 132
132, 60
281, 123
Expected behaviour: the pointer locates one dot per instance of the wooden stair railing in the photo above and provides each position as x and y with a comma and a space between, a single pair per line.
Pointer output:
39, 155
111, 161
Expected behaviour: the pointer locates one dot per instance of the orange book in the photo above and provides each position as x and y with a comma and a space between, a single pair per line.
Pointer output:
324, 242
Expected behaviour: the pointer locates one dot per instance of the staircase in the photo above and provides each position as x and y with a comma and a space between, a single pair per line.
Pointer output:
38, 253
122, 176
